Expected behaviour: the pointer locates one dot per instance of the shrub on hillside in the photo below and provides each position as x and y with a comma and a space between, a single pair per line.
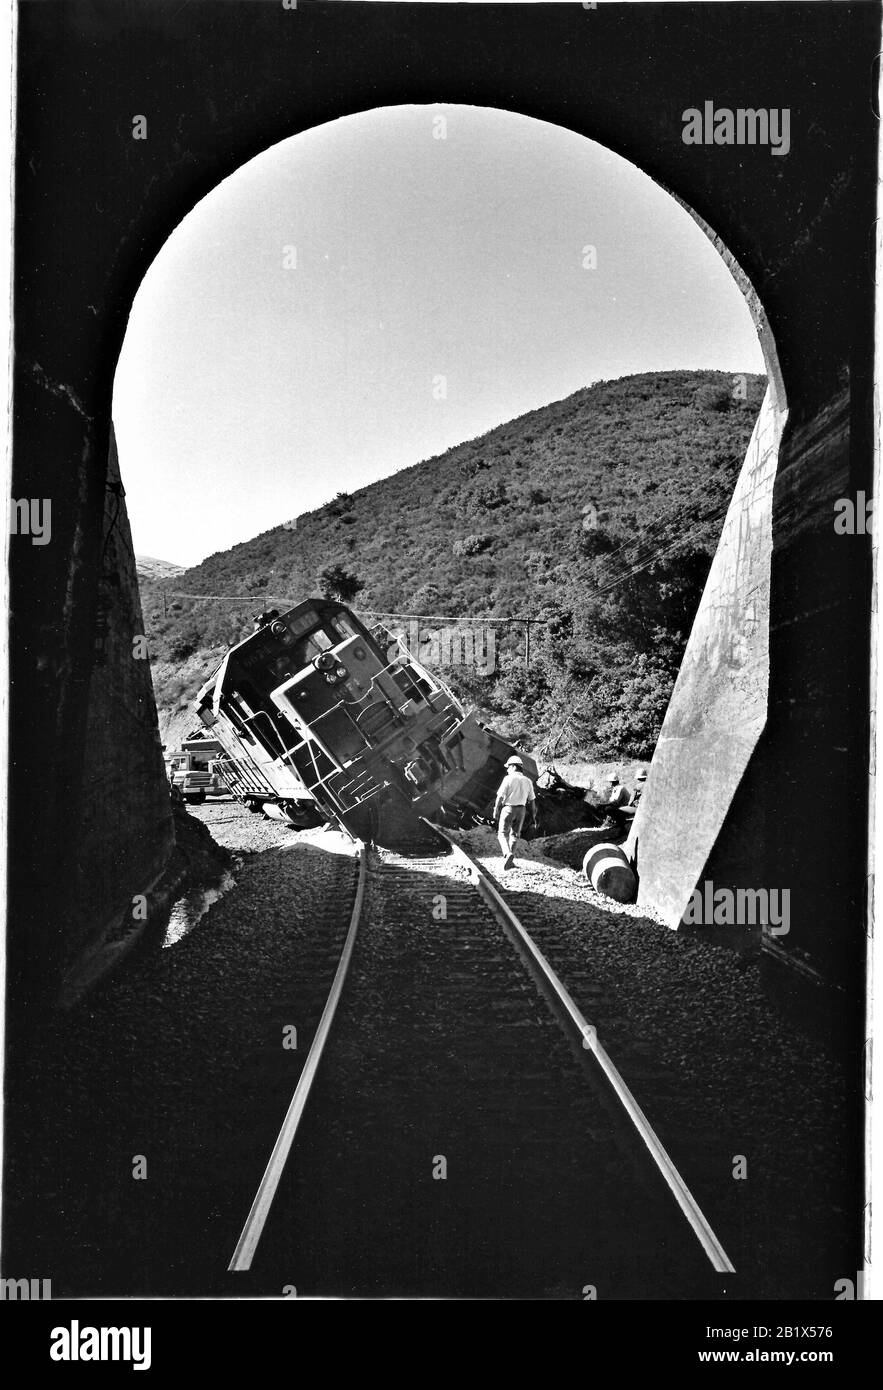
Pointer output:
473, 545
340, 504
537, 562
630, 714
426, 599
594, 542
183, 643
713, 398
491, 495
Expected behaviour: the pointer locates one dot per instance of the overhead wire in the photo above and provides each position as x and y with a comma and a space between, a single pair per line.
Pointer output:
647, 552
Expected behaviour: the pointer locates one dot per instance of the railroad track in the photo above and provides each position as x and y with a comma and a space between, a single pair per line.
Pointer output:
457, 1037
260, 1209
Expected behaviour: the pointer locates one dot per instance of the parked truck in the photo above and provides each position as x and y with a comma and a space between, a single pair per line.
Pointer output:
196, 769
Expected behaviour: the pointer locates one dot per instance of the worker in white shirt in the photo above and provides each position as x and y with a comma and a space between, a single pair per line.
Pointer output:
617, 793
617, 800
515, 795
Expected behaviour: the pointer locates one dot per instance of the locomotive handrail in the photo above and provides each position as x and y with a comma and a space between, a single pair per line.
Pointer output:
402, 669
286, 754
312, 752
248, 719
248, 757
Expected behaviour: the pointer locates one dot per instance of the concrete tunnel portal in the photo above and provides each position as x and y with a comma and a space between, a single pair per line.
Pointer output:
768, 715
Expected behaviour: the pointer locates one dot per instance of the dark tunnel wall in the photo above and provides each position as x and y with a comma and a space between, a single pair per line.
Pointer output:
218, 83
124, 833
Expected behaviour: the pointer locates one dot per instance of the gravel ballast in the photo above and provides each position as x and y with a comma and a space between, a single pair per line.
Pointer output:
730, 1083
179, 1060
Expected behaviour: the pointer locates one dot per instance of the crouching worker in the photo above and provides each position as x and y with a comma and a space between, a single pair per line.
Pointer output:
616, 812
516, 794
640, 779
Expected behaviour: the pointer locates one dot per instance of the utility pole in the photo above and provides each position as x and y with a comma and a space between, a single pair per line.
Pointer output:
527, 622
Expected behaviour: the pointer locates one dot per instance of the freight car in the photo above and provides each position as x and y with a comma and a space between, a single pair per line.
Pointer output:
329, 719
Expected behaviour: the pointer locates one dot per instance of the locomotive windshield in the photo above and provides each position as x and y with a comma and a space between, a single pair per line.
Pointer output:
291, 642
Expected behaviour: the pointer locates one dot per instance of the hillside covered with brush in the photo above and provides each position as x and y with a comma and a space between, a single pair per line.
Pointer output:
596, 516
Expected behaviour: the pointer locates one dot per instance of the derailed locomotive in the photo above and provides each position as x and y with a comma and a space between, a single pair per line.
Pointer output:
328, 719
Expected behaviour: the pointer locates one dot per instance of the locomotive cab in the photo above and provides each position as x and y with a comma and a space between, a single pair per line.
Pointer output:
350, 700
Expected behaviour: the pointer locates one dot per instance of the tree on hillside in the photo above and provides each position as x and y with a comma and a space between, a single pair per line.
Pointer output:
337, 582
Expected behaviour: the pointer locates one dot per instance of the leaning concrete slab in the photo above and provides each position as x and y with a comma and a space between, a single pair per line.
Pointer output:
718, 708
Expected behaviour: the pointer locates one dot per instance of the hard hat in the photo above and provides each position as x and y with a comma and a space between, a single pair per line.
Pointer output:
514, 762
641, 777
613, 777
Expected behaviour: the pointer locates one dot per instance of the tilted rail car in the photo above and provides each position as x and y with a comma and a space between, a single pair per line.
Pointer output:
327, 718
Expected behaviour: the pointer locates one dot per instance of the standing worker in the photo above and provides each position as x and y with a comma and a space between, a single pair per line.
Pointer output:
515, 795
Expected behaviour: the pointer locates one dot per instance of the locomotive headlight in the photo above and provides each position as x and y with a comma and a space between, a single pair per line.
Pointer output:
330, 678
342, 673
324, 662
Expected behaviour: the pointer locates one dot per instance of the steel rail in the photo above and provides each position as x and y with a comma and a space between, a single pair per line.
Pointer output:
589, 1035
260, 1207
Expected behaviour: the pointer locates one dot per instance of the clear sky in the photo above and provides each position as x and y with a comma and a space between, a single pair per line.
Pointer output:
288, 341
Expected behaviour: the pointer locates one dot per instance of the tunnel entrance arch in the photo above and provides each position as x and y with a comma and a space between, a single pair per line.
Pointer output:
721, 697
786, 223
